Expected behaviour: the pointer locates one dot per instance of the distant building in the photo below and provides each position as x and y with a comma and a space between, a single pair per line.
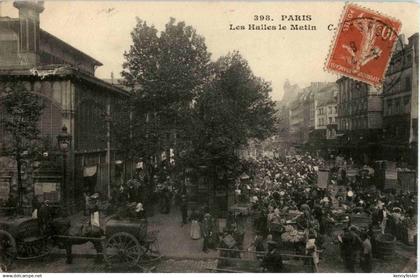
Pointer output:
359, 118
64, 78
296, 130
282, 119
400, 84
290, 92
326, 112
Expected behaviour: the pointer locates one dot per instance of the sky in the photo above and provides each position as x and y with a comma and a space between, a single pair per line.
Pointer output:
102, 29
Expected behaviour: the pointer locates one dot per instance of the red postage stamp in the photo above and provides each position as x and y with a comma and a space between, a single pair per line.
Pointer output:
363, 45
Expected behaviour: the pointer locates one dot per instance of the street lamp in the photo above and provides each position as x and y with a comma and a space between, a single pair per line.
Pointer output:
64, 142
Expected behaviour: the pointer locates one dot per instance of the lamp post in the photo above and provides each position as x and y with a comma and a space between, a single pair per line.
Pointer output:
64, 142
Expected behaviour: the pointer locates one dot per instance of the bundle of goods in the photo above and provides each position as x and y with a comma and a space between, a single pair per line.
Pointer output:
292, 235
292, 215
361, 219
340, 215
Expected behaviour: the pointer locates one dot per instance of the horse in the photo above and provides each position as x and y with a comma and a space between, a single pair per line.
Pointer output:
64, 235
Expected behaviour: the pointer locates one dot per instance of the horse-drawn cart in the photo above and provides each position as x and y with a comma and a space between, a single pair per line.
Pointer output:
130, 242
21, 238
125, 243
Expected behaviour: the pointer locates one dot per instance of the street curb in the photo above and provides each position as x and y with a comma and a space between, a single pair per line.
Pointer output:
164, 257
172, 257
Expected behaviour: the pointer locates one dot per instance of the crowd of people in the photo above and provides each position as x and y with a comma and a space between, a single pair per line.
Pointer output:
291, 205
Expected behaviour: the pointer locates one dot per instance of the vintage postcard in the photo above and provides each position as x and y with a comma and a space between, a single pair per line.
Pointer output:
208, 137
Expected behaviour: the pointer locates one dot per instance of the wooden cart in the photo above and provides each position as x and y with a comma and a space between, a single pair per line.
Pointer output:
130, 242
21, 238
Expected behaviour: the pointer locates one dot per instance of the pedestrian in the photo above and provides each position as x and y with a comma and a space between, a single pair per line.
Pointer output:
44, 217
366, 256
140, 213
184, 208
195, 232
94, 210
35, 206
206, 229
347, 251
258, 245
273, 261
312, 251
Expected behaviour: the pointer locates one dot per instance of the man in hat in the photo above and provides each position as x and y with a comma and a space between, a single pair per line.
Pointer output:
206, 229
184, 208
94, 210
273, 261
44, 216
350, 242
140, 211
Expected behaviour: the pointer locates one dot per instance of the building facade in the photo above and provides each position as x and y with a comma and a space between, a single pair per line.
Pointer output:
399, 86
359, 118
64, 78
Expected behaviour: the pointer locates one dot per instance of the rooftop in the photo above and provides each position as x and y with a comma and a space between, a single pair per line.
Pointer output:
59, 71
67, 46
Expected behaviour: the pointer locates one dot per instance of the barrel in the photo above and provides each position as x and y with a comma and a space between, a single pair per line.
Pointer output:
385, 245
376, 232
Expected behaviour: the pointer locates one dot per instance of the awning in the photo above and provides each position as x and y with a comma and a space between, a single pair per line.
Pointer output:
89, 171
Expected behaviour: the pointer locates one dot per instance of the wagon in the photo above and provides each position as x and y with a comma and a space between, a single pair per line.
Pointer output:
21, 238
130, 242
127, 242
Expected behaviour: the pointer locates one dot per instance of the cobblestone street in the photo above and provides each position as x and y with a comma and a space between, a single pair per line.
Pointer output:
88, 265
184, 255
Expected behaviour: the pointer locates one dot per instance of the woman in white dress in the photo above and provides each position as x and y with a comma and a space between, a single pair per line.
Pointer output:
195, 231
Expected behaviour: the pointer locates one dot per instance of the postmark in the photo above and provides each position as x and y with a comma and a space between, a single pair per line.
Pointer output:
363, 45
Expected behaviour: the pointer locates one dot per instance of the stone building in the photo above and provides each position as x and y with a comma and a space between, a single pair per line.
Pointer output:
303, 112
359, 118
64, 78
296, 121
325, 131
400, 83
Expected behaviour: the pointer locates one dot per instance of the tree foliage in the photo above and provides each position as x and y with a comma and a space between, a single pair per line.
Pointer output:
234, 108
213, 108
23, 110
166, 72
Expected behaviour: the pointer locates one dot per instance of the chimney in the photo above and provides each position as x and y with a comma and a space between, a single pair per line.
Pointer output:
29, 34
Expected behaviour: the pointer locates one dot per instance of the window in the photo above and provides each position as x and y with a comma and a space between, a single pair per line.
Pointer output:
330, 121
389, 107
397, 105
407, 83
406, 100
408, 61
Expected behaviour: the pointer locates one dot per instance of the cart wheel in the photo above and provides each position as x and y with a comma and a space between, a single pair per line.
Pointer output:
8, 249
123, 248
32, 249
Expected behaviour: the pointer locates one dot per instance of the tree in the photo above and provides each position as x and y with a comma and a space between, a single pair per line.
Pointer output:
166, 72
23, 110
234, 108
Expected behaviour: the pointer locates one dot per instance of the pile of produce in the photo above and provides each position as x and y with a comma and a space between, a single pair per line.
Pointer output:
340, 215
292, 235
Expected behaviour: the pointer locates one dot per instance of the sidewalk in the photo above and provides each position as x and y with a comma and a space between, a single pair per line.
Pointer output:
174, 239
